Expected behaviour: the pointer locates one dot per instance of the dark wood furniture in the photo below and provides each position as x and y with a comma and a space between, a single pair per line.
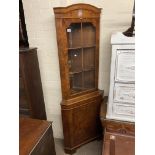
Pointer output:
31, 101
23, 38
35, 137
119, 136
77, 28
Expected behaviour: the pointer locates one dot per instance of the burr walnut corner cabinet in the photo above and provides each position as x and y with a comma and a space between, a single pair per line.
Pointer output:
77, 28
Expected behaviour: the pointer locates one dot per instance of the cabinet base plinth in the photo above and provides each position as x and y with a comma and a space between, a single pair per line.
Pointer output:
73, 150
69, 151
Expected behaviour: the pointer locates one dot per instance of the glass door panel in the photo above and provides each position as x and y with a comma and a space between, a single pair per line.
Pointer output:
81, 38
74, 35
89, 34
89, 79
89, 58
76, 82
75, 60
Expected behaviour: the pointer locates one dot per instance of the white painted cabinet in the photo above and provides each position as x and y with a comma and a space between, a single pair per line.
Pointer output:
121, 103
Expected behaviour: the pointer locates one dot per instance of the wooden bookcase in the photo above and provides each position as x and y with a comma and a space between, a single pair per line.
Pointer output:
31, 100
77, 28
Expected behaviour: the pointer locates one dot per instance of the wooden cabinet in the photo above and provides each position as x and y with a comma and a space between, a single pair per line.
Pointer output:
119, 138
35, 137
31, 101
77, 28
23, 38
121, 104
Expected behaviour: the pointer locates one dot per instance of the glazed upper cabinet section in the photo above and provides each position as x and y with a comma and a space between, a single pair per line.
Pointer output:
81, 45
78, 42
82, 34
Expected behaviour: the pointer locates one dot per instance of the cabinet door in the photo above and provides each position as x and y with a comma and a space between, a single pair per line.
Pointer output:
89, 52
81, 51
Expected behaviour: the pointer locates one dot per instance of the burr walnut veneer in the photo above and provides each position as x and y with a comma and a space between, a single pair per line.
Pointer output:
77, 28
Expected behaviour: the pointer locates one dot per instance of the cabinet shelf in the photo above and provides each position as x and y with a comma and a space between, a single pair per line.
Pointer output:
80, 47
90, 46
83, 70
89, 69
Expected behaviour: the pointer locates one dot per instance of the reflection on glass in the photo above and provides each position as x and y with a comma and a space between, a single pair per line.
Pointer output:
74, 35
75, 60
89, 34
89, 58
89, 79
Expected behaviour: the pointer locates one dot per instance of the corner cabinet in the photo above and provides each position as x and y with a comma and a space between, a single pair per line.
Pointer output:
77, 28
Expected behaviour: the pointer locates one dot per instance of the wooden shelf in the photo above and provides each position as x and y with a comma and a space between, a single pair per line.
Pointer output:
89, 46
25, 112
71, 73
74, 48
89, 69
83, 70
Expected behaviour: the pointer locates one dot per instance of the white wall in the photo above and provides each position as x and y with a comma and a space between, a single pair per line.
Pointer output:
39, 17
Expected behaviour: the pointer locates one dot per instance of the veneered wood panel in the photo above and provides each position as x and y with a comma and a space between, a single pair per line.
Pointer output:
77, 29
30, 84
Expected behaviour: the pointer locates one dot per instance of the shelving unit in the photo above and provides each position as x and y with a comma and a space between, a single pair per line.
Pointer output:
77, 28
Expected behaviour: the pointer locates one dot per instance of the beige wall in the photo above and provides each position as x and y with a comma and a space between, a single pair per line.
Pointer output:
39, 16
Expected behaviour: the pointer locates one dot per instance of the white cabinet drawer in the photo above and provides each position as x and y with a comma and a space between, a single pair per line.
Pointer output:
125, 66
124, 93
123, 110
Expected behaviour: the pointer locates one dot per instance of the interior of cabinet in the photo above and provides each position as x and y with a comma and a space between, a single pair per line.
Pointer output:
81, 39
